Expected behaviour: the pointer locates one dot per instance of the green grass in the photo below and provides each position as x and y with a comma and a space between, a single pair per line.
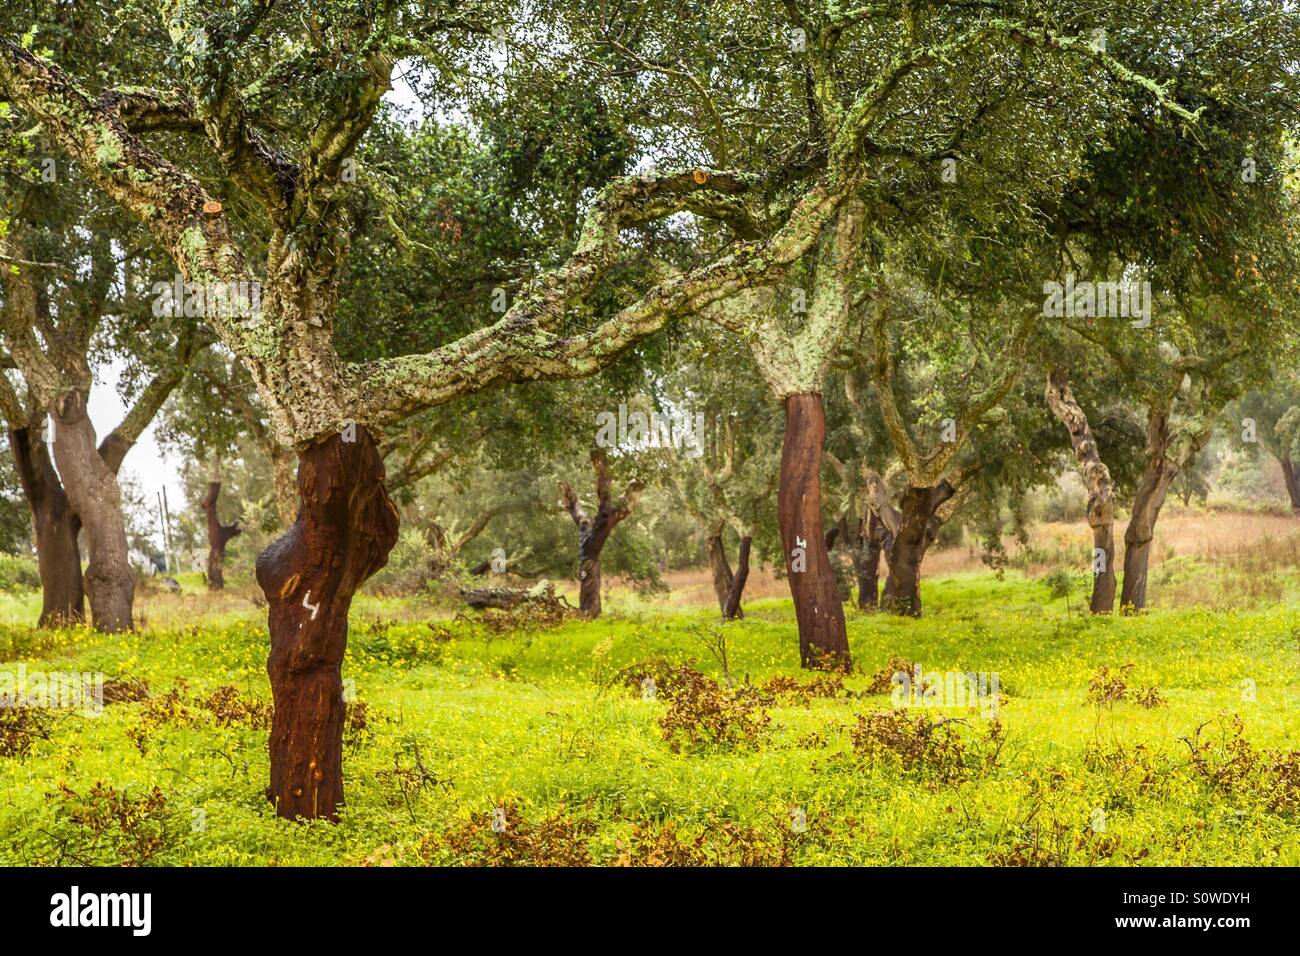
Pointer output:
530, 722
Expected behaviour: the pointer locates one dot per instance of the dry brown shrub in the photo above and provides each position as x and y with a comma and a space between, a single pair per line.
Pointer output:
555, 840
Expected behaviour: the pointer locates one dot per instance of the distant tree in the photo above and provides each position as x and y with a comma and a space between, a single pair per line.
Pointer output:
595, 527
1271, 418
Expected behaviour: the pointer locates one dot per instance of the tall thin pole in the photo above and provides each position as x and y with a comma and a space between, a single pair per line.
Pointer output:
167, 531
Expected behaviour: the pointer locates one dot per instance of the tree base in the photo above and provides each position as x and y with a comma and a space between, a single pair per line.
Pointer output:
343, 533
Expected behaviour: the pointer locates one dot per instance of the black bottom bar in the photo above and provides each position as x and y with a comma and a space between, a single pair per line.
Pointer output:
260, 906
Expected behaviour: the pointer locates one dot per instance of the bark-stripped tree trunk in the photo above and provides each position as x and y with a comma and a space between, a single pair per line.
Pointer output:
1101, 498
56, 526
917, 530
219, 536
823, 638
345, 528
731, 609
1147, 501
593, 532
1166, 455
94, 494
1292, 481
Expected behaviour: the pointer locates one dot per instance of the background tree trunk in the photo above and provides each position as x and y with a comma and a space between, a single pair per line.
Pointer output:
1292, 481
732, 610
56, 527
823, 639
917, 530
1101, 498
589, 577
1163, 463
869, 566
593, 532
839, 534
218, 536
345, 528
94, 494
721, 571
1137, 540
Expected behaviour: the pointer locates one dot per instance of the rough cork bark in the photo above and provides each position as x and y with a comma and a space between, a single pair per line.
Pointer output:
1101, 497
94, 494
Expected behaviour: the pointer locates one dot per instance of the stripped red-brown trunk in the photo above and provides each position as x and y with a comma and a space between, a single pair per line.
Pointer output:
731, 609
345, 528
56, 526
219, 536
1147, 502
917, 530
823, 639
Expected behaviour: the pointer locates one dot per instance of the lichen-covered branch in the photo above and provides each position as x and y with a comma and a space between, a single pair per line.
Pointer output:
216, 104
520, 346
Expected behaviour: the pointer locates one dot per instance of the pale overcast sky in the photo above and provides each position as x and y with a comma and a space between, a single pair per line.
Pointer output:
145, 463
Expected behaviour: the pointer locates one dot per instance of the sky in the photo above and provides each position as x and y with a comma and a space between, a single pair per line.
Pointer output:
147, 463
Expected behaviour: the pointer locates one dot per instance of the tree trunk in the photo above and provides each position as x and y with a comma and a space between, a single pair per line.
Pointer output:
721, 571
589, 578
917, 530
593, 532
823, 639
731, 609
94, 494
869, 566
1292, 482
1138, 536
1148, 499
1163, 463
56, 526
1101, 499
286, 485
345, 528
839, 534
218, 536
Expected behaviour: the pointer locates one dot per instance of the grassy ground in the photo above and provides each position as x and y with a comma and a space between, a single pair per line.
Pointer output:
544, 732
